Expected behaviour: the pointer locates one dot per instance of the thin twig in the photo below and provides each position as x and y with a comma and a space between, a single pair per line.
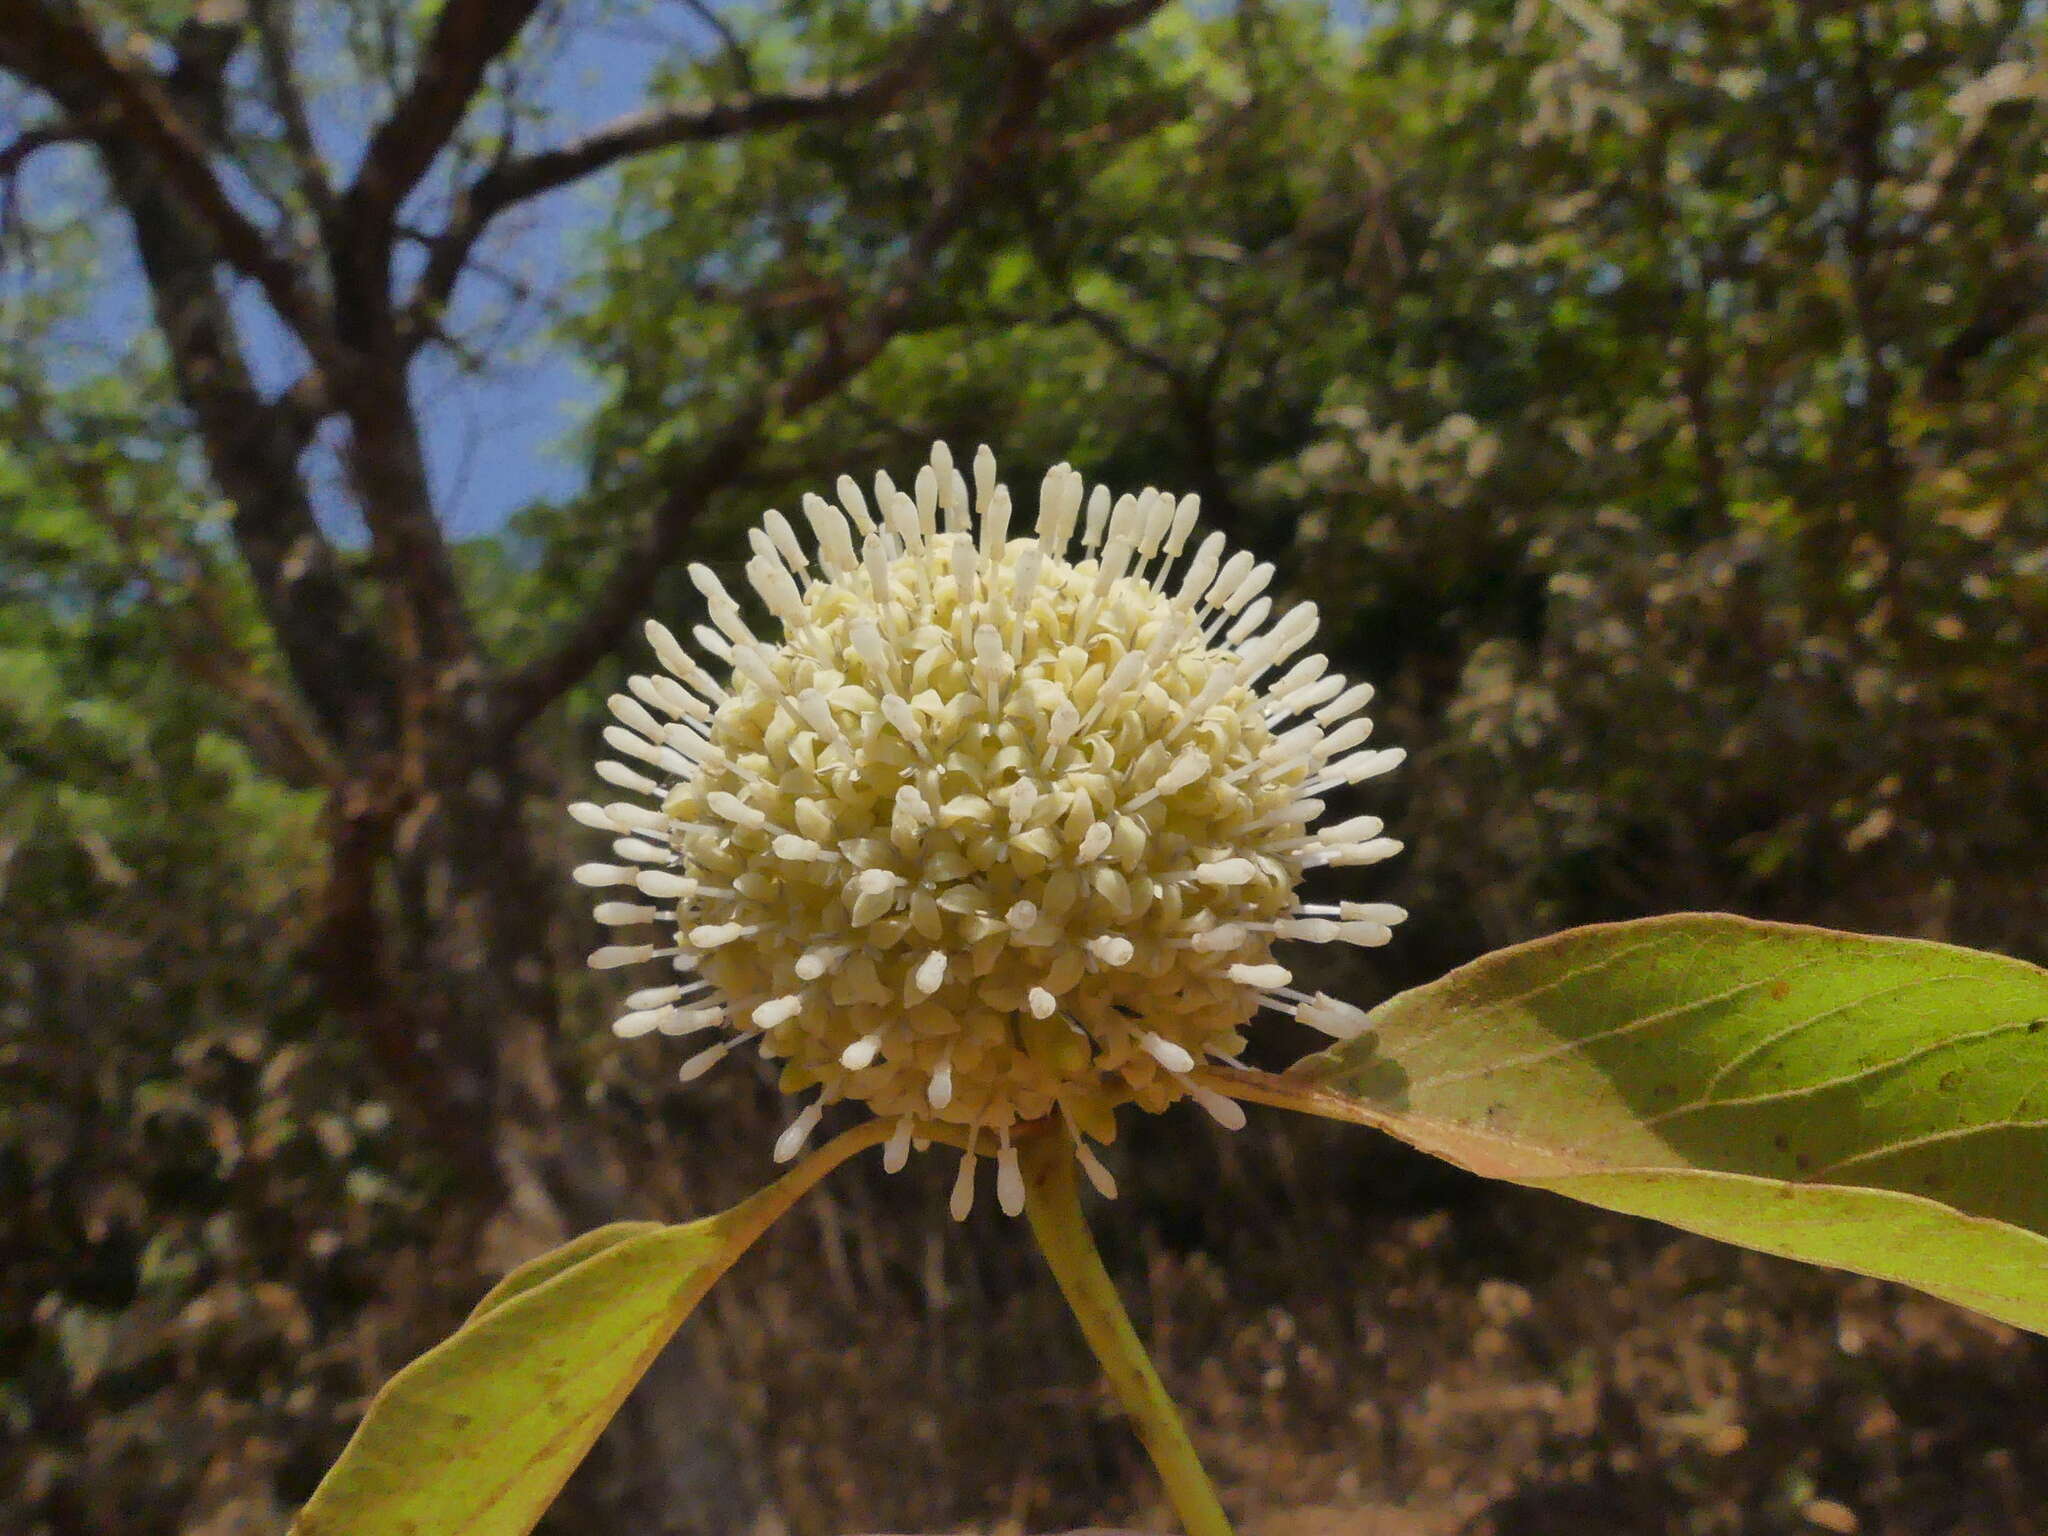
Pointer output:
520, 178
274, 36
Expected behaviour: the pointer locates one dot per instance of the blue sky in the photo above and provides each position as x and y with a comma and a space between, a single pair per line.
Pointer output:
497, 439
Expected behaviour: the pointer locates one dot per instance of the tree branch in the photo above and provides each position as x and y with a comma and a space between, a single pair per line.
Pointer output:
623, 596
273, 25
64, 58
272, 724
30, 140
468, 37
1119, 337
2007, 303
156, 156
524, 177
252, 448
742, 60
1191, 389
428, 624
431, 633
16, 154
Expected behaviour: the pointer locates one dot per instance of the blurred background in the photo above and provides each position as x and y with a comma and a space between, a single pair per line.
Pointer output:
1652, 393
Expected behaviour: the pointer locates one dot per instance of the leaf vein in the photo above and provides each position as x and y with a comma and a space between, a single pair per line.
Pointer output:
1701, 1104
1566, 1047
1914, 1143
1453, 1017
1757, 1047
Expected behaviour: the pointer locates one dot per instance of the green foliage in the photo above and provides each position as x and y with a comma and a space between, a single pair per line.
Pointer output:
1870, 1104
1151, 298
1649, 396
199, 1180
1696, 487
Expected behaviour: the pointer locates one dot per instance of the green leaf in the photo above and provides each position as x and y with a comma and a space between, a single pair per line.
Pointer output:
1878, 1105
477, 1436
1008, 272
556, 1260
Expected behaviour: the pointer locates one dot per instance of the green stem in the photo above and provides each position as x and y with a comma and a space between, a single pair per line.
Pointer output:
1054, 1207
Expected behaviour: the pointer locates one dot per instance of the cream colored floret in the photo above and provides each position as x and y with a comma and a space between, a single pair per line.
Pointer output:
993, 854
993, 832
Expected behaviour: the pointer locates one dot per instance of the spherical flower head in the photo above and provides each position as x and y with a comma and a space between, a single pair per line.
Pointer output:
1001, 828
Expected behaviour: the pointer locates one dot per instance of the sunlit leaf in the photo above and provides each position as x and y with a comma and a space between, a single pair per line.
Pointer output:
552, 1263
1879, 1105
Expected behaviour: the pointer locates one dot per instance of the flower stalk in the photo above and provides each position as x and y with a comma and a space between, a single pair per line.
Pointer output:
1052, 1203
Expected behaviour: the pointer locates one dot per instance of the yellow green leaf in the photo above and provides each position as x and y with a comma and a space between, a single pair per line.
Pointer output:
555, 1260
477, 1436
1878, 1105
